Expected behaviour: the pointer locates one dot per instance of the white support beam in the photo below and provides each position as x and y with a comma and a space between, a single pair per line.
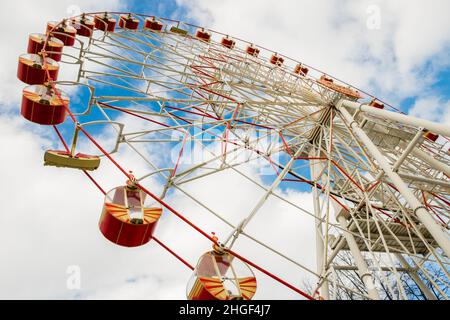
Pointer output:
433, 182
422, 213
363, 270
382, 268
436, 164
408, 149
236, 232
361, 264
316, 169
395, 116
425, 290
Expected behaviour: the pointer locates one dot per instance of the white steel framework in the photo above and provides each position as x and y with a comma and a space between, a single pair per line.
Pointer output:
380, 185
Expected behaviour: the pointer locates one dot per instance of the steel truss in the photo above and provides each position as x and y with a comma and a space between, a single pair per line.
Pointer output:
380, 187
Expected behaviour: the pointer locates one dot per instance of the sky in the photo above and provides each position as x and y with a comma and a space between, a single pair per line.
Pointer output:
396, 50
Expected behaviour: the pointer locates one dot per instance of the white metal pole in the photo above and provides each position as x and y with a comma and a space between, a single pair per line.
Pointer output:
263, 199
422, 213
361, 264
363, 270
315, 169
425, 290
395, 116
438, 165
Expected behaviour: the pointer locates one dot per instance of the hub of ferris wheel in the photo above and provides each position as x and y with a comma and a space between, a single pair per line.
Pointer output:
379, 178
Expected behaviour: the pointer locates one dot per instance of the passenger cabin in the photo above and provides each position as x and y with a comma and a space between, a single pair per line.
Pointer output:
276, 60
65, 159
129, 216
62, 31
31, 70
220, 276
329, 83
203, 35
54, 46
301, 70
153, 25
376, 104
84, 26
105, 22
41, 105
228, 43
127, 21
253, 51
430, 136
325, 79
178, 30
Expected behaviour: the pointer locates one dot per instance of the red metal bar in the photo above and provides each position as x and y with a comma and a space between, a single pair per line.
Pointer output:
442, 199
180, 155
191, 112
372, 186
304, 294
347, 175
61, 138
430, 208
95, 182
187, 264
285, 144
133, 114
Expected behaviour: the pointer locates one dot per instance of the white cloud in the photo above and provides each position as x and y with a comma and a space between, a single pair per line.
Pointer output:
25, 17
66, 233
432, 108
50, 216
398, 60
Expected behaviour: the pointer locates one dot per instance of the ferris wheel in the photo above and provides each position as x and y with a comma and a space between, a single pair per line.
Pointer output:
380, 179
